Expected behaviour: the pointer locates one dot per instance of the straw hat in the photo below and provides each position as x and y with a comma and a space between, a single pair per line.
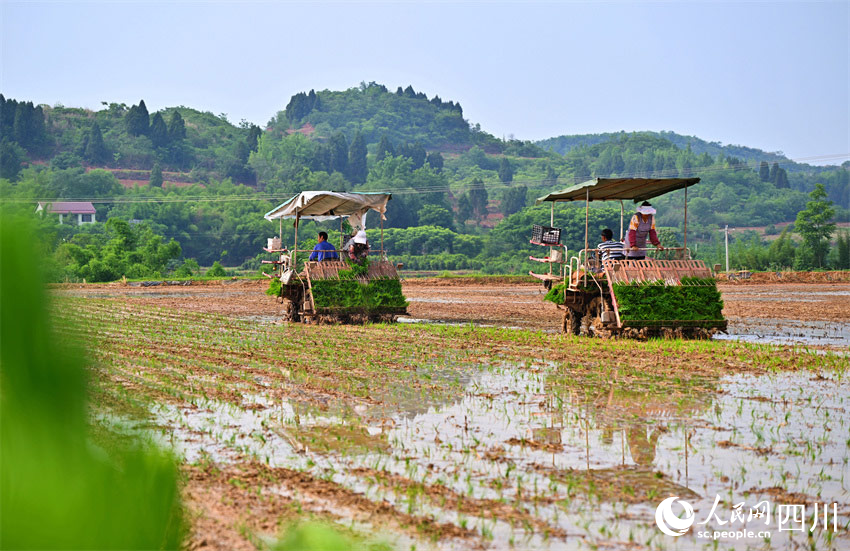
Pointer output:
645, 208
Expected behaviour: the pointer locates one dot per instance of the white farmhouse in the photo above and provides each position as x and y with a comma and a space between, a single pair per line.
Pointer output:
83, 212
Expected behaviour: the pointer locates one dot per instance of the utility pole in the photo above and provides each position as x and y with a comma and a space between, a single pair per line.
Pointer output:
726, 231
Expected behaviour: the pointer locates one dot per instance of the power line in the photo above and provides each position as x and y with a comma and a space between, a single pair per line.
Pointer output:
534, 183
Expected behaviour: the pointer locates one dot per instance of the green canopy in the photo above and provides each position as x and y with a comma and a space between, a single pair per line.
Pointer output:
619, 189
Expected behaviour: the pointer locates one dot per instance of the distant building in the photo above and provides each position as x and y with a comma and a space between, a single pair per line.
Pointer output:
83, 212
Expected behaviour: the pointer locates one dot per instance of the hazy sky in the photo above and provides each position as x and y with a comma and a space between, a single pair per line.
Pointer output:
772, 75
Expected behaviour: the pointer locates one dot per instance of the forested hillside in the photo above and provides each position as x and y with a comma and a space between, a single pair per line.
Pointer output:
194, 145
563, 144
374, 112
462, 198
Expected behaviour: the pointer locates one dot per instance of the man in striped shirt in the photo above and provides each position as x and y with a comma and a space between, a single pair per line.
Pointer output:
610, 249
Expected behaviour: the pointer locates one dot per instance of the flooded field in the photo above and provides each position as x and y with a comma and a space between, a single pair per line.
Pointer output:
459, 436
782, 313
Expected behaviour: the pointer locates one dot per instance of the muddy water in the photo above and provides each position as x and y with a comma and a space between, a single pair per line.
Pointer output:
587, 462
788, 331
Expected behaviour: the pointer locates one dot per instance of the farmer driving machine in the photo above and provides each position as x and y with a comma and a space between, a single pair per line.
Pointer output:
353, 284
639, 298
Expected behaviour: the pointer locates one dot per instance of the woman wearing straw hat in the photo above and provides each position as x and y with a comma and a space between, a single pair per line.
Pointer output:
358, 247
641, 227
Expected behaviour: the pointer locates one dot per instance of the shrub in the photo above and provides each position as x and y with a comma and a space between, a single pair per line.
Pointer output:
217, 270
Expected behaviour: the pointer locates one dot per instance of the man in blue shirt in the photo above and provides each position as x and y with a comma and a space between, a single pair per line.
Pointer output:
323, 250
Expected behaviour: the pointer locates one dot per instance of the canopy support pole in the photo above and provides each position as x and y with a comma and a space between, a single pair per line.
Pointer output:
551, 225
295, 251
686, 221
341, 243
621, 219
586, 226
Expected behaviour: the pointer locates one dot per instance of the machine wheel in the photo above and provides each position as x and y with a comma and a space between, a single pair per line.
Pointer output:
383, 318
572, 322
591, 322
591, 313
290, 311
292, 306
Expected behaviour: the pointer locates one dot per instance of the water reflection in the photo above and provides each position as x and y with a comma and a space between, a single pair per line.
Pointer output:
554, 440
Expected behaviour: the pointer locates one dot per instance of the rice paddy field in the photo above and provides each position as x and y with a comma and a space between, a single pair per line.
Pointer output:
474, 425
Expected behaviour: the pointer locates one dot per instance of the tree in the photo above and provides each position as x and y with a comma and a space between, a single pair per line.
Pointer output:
158, 132
95, 150
300, 105
22, 124
551, 176
464, 209
782, 178
843, 261
513, 200
433, 215
417, 154
321, 161
478, 198
357, 169
176, 127
11, 157
385, 148
506, 173
774, 168
254, 133
435, 160
764, 172
781, 252
339, 153
137, 119
156, 176
815, 226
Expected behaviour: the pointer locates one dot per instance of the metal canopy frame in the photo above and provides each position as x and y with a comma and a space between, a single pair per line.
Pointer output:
322, 206
619, 189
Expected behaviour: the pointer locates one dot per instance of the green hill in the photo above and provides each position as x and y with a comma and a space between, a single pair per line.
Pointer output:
462, 198
564, 144
198, 144
372, 110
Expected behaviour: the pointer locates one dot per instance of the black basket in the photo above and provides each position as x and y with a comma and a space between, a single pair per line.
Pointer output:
544, 235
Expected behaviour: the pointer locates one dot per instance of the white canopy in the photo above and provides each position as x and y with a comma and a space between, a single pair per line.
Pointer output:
327, 205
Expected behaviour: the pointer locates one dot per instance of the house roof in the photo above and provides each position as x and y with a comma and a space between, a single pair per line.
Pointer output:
68, 207
613, 189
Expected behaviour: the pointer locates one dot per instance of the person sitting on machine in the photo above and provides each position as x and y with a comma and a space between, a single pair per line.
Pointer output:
358, 247
610, 249
641, 227
323, 250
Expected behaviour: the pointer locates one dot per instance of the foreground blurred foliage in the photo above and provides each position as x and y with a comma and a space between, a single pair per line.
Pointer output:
313, 536
57, 488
